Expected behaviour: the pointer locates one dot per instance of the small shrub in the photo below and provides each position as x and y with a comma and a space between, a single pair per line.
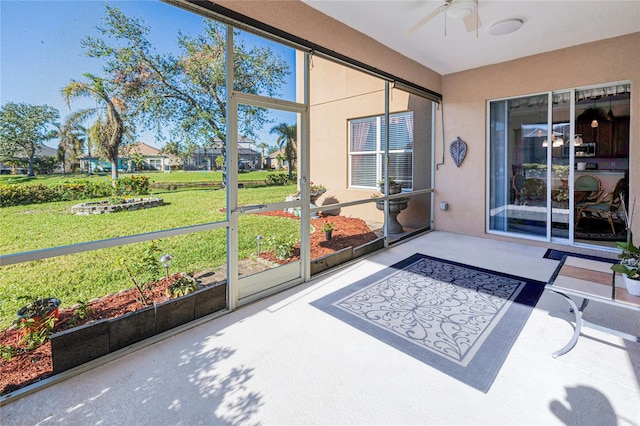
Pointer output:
15, 195
142, 269
182, 286
280, 179
36, 335
282, 246
83, 310
133, 185
328, 226
7, 352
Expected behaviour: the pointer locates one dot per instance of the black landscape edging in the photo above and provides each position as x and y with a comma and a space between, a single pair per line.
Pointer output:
329, 261
346, 254
76, 346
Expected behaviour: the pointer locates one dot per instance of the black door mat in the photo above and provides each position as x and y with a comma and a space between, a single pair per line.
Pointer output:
559, 254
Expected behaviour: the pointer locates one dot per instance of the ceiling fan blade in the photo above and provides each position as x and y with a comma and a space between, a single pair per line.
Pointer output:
472, 22
426, 19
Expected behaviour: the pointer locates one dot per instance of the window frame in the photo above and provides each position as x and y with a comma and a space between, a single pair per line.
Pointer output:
379, 150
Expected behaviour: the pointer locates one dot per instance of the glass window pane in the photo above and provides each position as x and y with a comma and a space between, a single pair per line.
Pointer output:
560, 144
401, 131
401, 168
364, 134
363, 170
152, 151
518, 159
83, 277
264, 67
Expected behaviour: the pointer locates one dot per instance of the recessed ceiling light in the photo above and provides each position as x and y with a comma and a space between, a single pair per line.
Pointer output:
505, 27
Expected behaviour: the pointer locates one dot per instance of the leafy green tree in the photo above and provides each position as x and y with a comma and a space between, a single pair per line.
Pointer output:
187, 91
220, 161
172, 148
287, 134
181, 150
23, 130
109, 128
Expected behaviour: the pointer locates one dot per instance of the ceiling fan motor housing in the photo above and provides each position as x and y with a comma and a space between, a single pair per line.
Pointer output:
459, 9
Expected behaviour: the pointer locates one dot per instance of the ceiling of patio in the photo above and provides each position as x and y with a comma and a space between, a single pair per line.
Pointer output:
547, 25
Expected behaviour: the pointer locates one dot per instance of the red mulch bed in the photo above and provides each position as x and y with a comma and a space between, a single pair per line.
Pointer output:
348, 232
29, 367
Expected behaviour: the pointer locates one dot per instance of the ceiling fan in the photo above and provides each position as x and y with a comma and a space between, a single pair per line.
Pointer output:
457, 9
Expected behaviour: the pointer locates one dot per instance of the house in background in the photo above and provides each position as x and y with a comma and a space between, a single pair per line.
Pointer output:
276, 160
20, 163
204, 157
152, 159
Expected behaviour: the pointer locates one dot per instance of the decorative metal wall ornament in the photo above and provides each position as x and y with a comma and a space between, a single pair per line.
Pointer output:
458, 150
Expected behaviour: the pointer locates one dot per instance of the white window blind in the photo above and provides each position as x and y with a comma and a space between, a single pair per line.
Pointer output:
366, 150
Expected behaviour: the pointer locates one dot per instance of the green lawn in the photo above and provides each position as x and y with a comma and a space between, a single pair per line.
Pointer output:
93, 274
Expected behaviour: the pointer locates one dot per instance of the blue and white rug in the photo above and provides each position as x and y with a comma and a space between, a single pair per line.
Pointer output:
457, 318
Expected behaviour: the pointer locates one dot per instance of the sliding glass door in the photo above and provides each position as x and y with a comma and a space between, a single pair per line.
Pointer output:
518, 166
558, 165
558, 146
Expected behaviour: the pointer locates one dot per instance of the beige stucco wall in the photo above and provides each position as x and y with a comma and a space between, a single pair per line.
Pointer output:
339, 94
297, 18
466, 93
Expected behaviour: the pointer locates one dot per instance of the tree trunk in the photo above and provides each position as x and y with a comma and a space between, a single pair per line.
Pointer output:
114, 171
30, 172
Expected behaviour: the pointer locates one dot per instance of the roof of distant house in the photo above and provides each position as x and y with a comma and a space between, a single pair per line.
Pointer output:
276, 153
143, 149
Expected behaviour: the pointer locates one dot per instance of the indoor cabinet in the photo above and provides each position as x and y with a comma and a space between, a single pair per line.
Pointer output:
611, 137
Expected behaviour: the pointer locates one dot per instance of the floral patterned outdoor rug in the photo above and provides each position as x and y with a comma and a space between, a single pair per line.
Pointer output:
457, 318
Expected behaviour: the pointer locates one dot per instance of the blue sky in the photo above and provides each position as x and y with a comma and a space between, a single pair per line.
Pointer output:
40, 49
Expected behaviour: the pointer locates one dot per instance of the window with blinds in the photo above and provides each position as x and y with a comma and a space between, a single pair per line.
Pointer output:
366, 150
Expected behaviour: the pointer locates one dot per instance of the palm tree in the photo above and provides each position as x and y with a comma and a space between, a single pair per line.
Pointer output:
287, 141
69, 140
137, 159
262, 146
109, 128
82, 137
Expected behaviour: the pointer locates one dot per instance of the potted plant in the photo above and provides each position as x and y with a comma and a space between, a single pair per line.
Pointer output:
629, 266
327, 228
34, 315
315, 191
394, 187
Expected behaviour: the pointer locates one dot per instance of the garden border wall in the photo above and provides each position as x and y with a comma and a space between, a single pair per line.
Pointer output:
78, 345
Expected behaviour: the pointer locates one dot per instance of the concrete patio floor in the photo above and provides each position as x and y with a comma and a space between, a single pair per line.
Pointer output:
282, 361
